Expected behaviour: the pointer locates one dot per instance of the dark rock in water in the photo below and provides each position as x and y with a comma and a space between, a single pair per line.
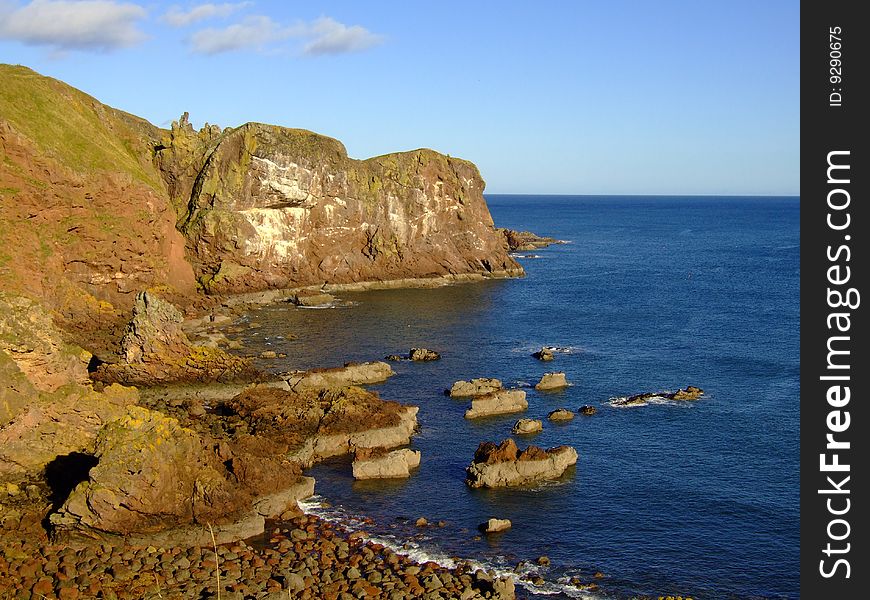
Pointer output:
524, 241
690, 393
545, 354
416, 355
423, 354
587, 410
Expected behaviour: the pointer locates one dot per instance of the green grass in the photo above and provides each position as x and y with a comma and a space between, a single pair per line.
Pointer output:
75, 128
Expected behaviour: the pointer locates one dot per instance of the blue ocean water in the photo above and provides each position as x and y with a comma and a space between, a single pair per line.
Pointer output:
651, 293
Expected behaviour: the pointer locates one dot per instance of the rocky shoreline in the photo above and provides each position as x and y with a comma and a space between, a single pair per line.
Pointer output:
305, 558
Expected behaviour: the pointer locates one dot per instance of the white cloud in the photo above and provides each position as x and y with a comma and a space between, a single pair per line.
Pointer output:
323, 36
177, 17
73, 25
332, 37
256, 32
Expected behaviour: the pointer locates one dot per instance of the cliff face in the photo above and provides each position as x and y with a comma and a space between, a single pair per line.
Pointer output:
277, 207
98, 205
85, 220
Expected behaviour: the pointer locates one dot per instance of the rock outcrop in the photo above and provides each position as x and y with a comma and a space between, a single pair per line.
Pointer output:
156, 350
416, 355
62, 423
375, 464
495, 525
151, 474
545, 354
526, 240
312, 425
500, 402
423, 355
552, 381
560, 414
690, 393
276, 207
337, 377
475, 387
29, 337
311, 299
527, 426
503, 465
587, 410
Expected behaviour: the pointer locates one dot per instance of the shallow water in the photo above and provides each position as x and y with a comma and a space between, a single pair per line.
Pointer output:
697, 498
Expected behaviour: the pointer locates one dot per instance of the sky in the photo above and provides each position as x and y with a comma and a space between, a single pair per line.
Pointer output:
554, 97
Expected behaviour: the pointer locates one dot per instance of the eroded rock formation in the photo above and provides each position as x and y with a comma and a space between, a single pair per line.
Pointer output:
503, 465
500, 402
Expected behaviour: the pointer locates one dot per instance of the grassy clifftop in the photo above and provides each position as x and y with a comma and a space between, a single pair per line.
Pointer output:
76, 129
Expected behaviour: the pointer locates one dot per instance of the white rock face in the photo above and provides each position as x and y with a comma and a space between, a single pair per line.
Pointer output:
393, 465
501, 402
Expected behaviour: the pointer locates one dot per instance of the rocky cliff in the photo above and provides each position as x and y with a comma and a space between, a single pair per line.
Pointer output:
98, 204
276, 207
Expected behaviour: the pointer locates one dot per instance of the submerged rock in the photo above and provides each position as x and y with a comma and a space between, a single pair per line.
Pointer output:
379, 464
527, 426
690, 393
587, 410
504, 465
423, 355
475, 387
311, 299
552, 381
500, 402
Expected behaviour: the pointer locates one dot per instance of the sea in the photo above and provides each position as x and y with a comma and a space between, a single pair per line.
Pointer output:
697, 499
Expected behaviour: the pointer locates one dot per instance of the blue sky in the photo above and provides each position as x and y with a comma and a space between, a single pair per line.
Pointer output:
573, 97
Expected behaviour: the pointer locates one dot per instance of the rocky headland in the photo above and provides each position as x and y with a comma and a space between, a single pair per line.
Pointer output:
126, 445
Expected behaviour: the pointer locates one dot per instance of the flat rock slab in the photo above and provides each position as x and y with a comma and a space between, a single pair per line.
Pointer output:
501, 402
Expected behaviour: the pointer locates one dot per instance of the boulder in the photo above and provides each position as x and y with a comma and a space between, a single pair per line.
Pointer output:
544, 354
152, 474
500, 402
495, 525
587, 410
373, 464
504, 465
552, 381
560, 414
475, 387
423, 355
527, 426
348, 375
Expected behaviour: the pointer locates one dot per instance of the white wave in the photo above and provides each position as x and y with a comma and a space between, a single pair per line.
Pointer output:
618, 401
558, 349
332, 304
521, 255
